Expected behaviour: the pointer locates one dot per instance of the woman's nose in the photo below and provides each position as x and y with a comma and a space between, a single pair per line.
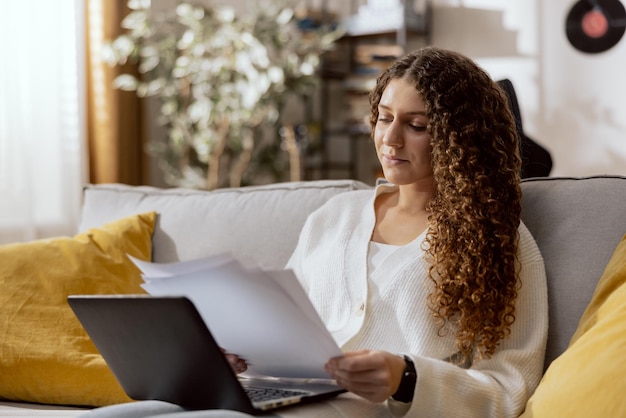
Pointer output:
393, 135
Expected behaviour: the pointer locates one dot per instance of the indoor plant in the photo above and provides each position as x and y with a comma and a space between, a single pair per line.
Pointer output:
219, 78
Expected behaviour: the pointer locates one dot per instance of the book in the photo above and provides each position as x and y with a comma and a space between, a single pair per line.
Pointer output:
263, 316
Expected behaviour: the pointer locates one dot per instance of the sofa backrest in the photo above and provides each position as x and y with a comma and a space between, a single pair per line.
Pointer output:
577, 223
261, 223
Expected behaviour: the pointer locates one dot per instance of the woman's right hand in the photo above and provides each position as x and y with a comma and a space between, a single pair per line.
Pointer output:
373, 375
238, 364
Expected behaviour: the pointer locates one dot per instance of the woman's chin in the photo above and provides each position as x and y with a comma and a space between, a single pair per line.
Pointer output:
394, 171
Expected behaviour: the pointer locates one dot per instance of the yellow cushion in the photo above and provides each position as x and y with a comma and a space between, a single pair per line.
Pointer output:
45, 355
589, 378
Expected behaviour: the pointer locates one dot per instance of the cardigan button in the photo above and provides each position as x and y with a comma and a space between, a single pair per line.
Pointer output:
360, 309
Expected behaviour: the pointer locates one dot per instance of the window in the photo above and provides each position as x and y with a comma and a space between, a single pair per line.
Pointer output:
42, 128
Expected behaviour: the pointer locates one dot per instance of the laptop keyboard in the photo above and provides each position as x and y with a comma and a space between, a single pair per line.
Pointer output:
257, 394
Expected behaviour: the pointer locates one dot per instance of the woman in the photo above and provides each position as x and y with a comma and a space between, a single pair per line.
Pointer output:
435, 266
431, 285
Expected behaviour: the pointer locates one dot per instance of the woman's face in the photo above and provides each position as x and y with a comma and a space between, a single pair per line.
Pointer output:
402, 143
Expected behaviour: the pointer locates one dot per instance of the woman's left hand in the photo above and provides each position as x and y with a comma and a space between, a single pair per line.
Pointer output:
238, 364
373, 375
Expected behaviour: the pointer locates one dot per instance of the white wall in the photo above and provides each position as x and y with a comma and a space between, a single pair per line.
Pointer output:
583, 108
572, 103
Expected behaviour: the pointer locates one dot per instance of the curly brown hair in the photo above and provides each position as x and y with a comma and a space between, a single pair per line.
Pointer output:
475, 213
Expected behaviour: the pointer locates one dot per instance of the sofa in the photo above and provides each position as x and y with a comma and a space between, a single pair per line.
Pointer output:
578, 224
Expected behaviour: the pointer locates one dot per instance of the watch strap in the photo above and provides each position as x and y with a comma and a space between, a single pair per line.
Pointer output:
407, 383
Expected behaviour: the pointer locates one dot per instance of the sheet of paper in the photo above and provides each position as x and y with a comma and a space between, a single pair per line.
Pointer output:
288, 281
264, 317
162, 270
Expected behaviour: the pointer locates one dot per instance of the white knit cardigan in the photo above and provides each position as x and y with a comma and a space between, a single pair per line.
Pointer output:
330, 261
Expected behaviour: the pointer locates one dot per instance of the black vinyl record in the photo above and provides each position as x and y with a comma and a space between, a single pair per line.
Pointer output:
594, 26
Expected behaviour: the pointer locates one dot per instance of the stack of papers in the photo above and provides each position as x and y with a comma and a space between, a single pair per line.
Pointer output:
263, 316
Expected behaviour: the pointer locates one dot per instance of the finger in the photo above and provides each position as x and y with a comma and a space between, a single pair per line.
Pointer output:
362, 361
348, 354
368, 374
373, 377
241, 366
347, 367
356, 353
365, 390
238, 364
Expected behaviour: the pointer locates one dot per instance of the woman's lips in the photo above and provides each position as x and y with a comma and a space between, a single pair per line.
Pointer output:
392, 160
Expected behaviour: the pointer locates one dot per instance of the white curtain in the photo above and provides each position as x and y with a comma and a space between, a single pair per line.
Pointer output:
42, 128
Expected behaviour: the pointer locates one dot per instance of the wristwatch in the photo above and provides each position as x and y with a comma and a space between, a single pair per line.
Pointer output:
407, 384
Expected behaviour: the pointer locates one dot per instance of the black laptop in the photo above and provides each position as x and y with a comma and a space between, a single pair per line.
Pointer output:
159, 348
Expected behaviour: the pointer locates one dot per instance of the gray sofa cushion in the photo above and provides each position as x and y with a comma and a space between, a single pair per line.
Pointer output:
258, 222
577, 223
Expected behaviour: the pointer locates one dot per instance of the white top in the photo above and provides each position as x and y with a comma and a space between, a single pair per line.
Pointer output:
331, 262
376, 254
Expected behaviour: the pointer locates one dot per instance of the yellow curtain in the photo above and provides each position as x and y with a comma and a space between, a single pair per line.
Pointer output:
116, 129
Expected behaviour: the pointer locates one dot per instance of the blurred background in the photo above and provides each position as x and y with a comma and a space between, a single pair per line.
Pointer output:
230, 93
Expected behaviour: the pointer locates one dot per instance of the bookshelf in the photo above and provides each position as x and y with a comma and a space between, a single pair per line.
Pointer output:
348, 75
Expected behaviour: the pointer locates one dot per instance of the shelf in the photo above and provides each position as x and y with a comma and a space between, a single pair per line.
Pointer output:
415, 28
399, 19
349, 73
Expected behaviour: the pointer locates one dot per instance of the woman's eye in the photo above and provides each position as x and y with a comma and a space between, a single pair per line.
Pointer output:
418, 128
